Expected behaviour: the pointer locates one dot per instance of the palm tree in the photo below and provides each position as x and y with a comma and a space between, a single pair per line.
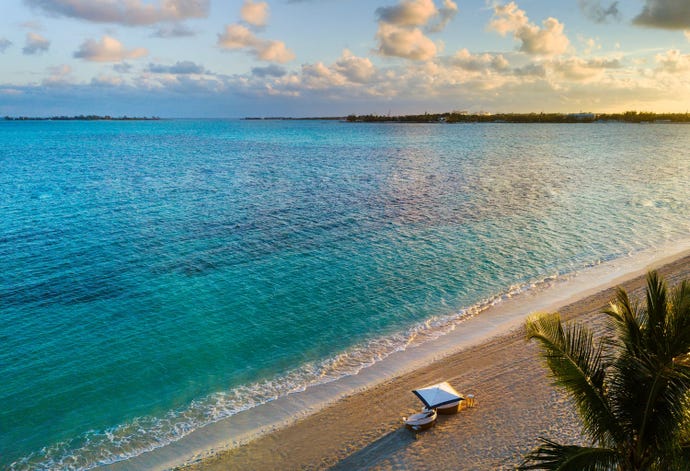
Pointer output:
631, 388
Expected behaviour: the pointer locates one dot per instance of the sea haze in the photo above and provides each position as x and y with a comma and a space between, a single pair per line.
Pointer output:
161, 275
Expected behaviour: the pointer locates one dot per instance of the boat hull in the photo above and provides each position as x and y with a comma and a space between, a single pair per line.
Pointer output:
421, 421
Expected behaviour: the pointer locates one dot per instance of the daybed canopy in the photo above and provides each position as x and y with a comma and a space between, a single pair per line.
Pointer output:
438, 395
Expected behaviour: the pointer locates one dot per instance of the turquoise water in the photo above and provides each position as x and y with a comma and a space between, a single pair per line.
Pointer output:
158, 276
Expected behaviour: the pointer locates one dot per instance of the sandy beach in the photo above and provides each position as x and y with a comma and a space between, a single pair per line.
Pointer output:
515, 405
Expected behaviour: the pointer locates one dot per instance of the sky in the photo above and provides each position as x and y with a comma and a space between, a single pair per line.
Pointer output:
239, 58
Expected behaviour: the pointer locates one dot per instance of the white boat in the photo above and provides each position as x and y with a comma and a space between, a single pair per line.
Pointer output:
421, 421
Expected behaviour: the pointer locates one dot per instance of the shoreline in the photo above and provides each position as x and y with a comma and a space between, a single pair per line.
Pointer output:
477, 337
515, 405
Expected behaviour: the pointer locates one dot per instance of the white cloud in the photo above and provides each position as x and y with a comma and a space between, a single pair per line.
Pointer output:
408, 13
404, 42
580, 70
256, 14
35, 44
400, 28
319, 76
590, 45
355, 69
239, 37
349, 74
108, 49
126, 12
667, 14
479, 62
548, 40
274, 51
673, 61
59, 75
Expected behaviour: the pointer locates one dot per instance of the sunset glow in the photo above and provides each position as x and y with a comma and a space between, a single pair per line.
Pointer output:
210, 58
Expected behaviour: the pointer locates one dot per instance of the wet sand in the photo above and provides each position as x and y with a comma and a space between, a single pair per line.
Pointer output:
515, 404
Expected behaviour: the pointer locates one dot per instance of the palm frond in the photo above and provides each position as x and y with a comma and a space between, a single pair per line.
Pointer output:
656, 303
553, 456
632, 391
678, 324
650, 379
578, 365
628, 321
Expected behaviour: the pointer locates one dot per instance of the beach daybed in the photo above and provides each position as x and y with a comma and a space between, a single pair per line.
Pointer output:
442, 397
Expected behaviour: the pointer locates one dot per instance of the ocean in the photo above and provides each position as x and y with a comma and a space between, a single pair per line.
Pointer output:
160, 276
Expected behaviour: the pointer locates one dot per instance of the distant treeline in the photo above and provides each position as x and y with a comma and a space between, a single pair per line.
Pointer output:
462, 117
81, 117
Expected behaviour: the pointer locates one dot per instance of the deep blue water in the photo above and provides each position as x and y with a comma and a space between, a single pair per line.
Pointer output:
160, 275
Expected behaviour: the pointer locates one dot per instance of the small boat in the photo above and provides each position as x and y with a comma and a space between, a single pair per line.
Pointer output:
421, 421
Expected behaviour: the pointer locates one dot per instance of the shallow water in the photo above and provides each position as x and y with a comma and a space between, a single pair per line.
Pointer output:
158, 276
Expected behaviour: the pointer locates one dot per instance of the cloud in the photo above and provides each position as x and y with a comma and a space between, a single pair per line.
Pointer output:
35, 44
182, 68
400, 28
125, 12
595, 11
4, 44
255, 14
106, 81
475, 82
673, 62
446, 13
405, 43
239, 37
123, 68
479, 62
349, 75
108, 49
581, 70
590, 45
175, 31
530, 70
269, 71
59, 75
548, 40
667, 14
353, 68
408, 13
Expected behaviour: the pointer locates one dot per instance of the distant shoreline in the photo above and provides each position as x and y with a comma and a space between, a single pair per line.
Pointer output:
464, 117
82, 118
426, 118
